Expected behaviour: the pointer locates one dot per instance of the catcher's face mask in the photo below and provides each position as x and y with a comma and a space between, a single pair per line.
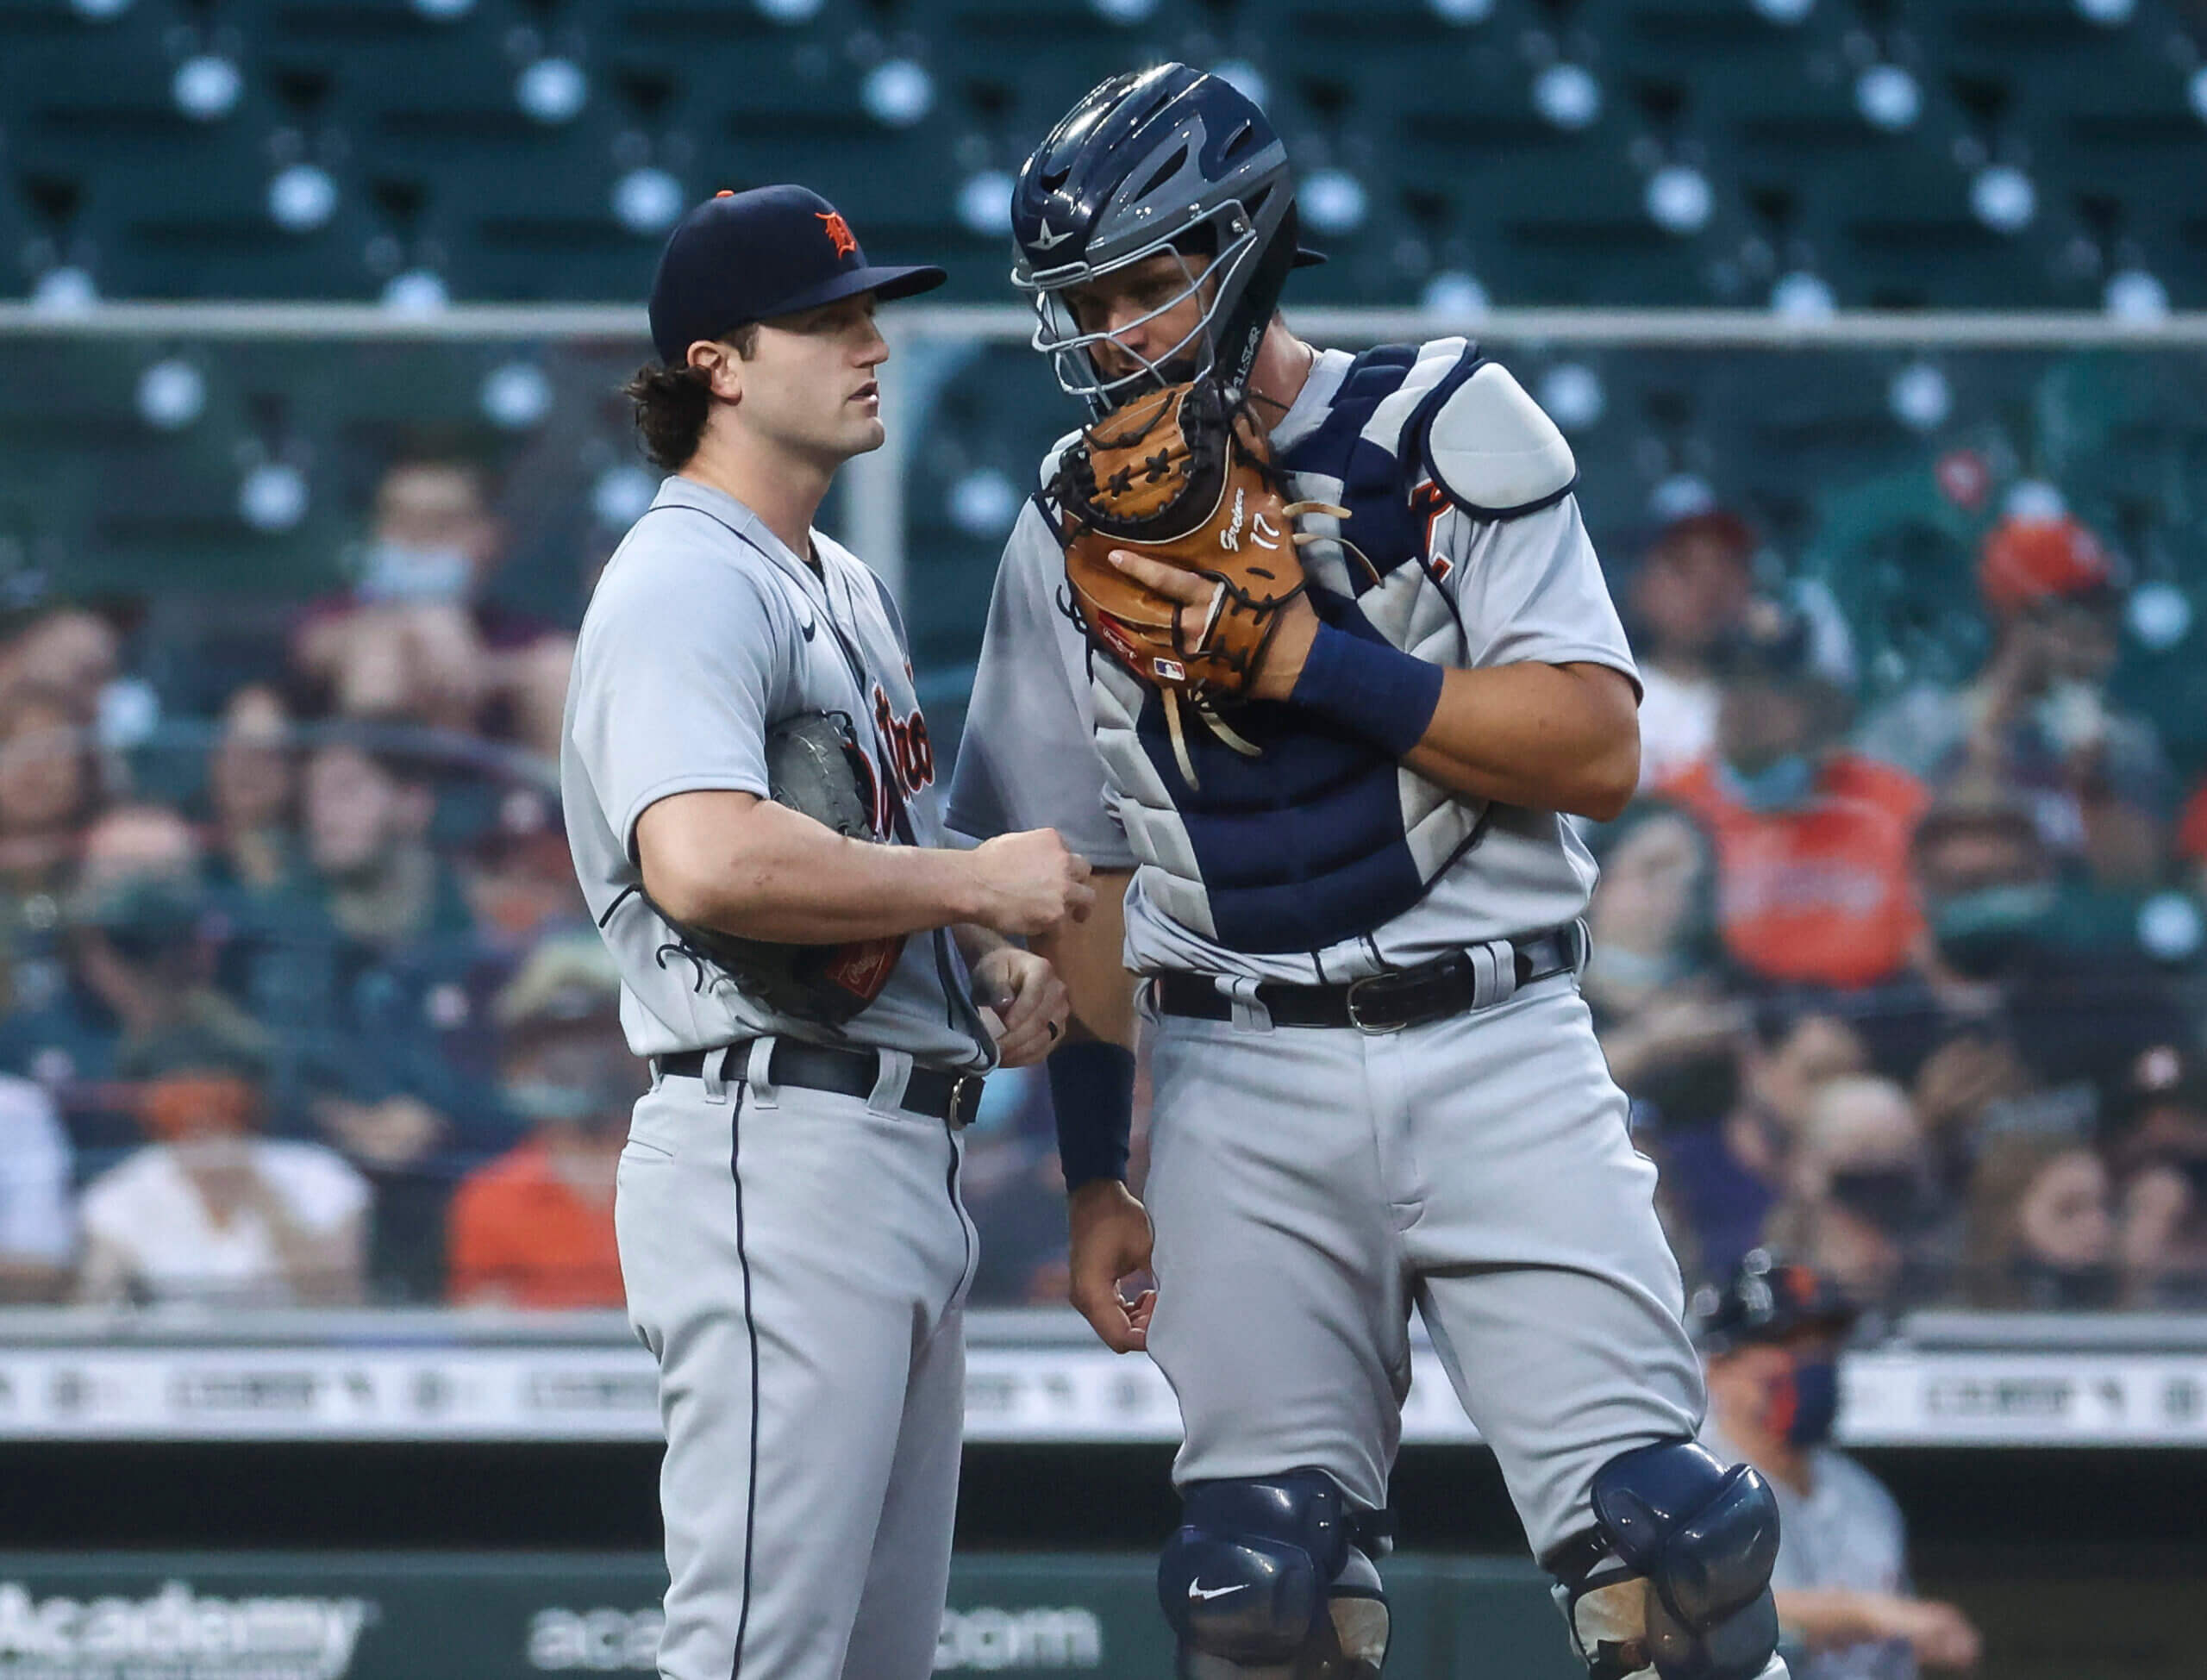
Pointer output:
1072, 349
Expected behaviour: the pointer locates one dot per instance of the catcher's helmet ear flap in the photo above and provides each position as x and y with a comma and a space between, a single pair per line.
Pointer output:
1162, 160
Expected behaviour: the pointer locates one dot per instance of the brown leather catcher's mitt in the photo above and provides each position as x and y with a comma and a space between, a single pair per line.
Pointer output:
1176, 476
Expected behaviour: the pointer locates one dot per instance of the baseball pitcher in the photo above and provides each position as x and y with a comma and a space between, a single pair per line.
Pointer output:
819, 985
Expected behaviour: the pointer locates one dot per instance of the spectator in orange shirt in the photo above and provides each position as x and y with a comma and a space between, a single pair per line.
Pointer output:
1813, 882
535, 1228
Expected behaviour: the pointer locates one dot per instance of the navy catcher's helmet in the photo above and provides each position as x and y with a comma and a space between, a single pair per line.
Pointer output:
1154, 160
1767, 1300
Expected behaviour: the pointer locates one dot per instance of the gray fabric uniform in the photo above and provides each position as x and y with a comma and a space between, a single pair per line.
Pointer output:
1845, 1532
797, 1261
1307, 1185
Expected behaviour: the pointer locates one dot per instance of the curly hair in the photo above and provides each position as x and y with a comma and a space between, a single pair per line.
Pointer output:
673, 404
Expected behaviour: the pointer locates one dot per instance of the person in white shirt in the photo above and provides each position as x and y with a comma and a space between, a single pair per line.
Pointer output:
1689, 593
38, 1231
1847, 1611
212, 1211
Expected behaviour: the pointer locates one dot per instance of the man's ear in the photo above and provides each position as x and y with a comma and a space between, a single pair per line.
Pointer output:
723, 368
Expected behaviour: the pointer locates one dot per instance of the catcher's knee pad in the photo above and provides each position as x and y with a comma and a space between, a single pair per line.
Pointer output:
1675, 1574
1268, 1578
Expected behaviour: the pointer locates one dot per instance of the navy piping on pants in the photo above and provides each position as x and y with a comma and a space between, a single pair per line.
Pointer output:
751, 1329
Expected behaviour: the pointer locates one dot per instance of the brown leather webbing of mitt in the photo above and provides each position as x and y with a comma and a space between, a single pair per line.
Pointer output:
1177, 475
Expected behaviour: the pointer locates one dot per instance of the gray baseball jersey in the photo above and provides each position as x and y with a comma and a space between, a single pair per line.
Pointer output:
1845, 1530
1392, 869
705, 630
1308, 1184
797, 1261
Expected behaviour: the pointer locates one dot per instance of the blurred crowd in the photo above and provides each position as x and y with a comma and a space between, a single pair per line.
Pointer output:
1904, 988
299, 1001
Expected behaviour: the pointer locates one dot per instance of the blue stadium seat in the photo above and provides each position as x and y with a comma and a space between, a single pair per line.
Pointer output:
198, 220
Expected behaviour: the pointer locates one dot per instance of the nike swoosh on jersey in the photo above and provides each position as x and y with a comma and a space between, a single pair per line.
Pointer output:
1195, 1590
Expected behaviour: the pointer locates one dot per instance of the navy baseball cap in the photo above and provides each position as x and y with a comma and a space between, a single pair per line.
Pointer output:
741, 257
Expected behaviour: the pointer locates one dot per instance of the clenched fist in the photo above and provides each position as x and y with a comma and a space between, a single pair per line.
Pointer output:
1029, 883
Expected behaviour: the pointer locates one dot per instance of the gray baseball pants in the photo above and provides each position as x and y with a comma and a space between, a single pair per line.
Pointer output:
797, 1263
1309, 1185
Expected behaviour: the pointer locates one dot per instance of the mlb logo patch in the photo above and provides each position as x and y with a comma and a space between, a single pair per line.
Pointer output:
1169, 670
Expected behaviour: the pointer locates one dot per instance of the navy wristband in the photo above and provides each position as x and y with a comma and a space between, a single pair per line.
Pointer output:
1384, 694
1093, 1092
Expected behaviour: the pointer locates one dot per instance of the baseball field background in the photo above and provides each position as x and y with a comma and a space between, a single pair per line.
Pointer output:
313, 315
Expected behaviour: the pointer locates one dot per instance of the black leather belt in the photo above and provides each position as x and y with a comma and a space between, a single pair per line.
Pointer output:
1388, 1001
928, 1091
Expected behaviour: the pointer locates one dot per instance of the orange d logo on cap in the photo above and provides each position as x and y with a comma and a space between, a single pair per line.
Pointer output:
753, 255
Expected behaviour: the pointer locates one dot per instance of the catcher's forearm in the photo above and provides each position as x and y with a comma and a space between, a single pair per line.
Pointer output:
1092, 1074
1542, 737
1091, 1099
750, 867
1090, 958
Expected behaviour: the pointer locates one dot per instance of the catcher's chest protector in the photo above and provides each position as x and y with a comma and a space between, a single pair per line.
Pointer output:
1318, 836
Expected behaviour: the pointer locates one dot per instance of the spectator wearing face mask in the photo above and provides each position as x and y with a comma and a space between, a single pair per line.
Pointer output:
1770, 1339
2037, 717
535, 1228
1812, 878
1666, 1026
142, 950
1723, 1179
2040, 1232
2009, 995
417, 640
1862, 1204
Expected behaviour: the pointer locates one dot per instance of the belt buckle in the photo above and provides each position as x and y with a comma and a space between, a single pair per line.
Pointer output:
1370, 1029
958, 1083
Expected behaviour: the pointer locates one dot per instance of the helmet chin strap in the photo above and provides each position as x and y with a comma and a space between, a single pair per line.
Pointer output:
1238, 342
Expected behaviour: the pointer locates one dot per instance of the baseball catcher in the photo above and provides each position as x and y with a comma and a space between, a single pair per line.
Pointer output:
1310, 654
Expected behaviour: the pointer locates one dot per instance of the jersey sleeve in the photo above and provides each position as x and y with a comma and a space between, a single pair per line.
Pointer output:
1027, 758
1529, 589
682, 661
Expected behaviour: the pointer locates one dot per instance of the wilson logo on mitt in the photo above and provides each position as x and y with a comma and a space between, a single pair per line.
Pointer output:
1177, 475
